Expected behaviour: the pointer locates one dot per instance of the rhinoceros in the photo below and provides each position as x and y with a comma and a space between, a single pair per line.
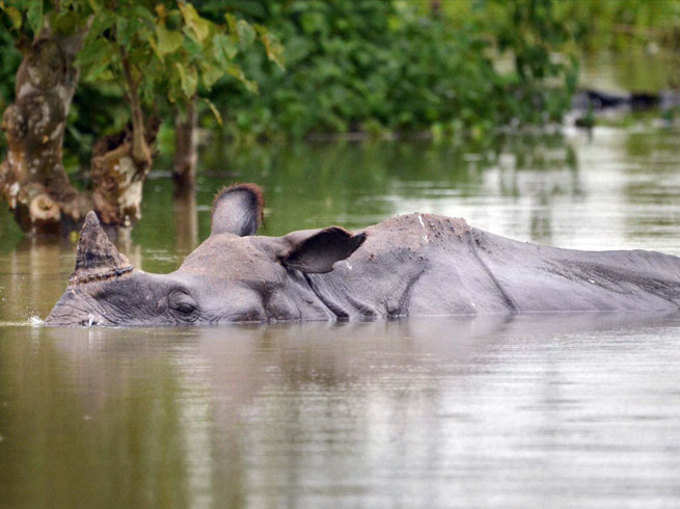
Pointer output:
408, 265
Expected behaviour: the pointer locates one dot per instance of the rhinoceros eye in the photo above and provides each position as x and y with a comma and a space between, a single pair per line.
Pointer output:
185, 307
183, 304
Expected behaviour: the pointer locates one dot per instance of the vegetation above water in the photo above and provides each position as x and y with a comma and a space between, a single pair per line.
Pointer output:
376, 66
153, 55
369, 65
450, 69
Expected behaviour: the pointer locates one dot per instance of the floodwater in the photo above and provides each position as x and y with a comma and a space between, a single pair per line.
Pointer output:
529, 411
537, 411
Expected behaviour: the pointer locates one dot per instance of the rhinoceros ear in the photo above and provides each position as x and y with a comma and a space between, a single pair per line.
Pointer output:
97, 258
317, 251
238, 210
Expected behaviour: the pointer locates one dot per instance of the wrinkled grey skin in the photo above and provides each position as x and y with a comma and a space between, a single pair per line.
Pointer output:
411, 265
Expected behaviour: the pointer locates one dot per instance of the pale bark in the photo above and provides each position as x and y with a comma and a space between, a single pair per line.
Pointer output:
118, 176
32, 176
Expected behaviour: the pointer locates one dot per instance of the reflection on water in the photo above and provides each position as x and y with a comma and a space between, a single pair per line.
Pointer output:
553, 411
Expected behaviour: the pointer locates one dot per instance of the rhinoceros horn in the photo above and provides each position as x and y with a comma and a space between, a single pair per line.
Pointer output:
97, 258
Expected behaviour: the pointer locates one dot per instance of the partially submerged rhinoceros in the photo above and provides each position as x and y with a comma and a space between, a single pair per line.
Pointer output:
416, 264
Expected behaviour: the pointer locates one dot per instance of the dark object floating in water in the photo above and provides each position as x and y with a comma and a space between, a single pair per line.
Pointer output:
587, 102
596, 100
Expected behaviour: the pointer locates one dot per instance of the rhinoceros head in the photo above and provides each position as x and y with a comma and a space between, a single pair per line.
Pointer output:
233, 276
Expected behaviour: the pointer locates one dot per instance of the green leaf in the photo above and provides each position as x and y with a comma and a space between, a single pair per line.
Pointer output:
67, 21
34, 15
143, 13
200, 26
210, 73
313, 21
94, 52
235, 71
231, 23
94, 5
188, 79
123, 30
100, 72
99, 25
214, 110
13, 13
95, 58
169, 41
246, 33
224, 48
154, 46
180, 71
271, 45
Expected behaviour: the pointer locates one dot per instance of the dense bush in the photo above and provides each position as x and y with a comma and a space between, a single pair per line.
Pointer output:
375, 65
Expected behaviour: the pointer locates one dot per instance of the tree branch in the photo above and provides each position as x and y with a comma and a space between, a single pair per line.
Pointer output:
140, 149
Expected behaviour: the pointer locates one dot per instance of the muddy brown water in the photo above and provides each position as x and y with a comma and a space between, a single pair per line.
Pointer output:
532, 411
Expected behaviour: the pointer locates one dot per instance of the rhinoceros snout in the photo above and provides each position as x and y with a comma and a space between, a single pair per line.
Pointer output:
71, 311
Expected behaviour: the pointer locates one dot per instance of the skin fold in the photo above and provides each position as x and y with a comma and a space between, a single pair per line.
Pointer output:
410, 265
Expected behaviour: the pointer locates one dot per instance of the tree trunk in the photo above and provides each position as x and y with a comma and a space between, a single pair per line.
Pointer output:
121, 162
118, 176
186, 148
32, 177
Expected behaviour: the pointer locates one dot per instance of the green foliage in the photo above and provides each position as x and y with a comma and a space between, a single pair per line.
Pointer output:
532, 32
375, 66
171, 49
392, 66
157, 51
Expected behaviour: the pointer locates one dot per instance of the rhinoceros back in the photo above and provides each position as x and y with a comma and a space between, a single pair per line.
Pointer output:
545, 279
415, 264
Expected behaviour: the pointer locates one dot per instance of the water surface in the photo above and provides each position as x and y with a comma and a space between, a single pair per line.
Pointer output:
536, 411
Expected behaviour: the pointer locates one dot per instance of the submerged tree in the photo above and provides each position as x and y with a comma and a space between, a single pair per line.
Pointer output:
32, 177
155, 51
